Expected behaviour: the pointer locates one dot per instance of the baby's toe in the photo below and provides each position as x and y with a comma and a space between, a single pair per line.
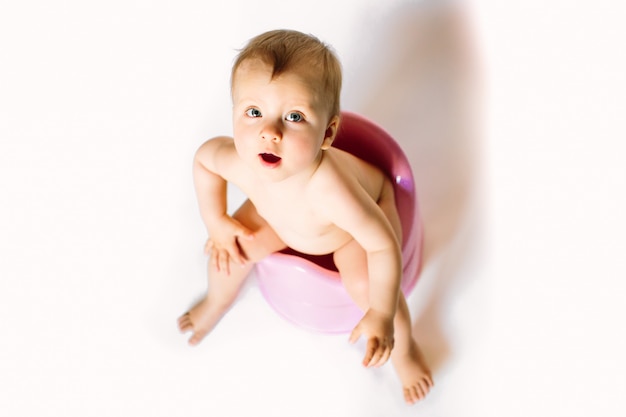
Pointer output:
416, 392
410, 395
196, 338
421, 392
184, 322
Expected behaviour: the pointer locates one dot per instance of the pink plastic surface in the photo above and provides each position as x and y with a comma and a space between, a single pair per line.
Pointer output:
313, 297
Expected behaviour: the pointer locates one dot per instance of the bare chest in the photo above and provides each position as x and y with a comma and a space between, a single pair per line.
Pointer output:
293, 218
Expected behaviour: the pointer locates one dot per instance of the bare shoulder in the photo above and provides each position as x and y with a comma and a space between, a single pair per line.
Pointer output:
341, 172
218, 155
214, 149
345, 192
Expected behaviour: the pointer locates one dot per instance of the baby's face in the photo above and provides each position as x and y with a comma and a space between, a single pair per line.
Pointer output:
281, 124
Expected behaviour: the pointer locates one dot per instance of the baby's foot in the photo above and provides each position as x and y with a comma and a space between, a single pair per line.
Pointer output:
201, 319
413, 372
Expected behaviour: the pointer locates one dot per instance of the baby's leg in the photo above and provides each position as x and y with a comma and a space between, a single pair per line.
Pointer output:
351, 260
224, 287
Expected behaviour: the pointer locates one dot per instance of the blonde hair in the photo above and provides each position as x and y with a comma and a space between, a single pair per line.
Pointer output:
290, 50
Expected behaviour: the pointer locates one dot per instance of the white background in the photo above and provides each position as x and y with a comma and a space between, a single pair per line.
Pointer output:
512, 116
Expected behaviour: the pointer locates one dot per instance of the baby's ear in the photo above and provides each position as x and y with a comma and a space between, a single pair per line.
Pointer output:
331, 133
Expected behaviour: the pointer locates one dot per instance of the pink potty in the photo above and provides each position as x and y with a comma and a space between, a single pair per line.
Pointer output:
305, 290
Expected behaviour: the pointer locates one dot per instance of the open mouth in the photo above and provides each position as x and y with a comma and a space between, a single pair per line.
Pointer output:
270, 159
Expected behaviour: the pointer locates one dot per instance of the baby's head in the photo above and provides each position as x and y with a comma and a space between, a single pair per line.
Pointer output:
289, 51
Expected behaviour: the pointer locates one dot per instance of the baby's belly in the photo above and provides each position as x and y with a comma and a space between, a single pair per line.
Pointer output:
314, 244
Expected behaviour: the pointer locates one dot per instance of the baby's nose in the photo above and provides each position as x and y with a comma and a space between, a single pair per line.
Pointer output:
271, 132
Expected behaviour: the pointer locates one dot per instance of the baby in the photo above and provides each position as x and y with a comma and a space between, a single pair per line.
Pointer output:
303, 194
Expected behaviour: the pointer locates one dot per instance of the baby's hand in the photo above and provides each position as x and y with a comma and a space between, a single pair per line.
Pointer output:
222, 243
378, 327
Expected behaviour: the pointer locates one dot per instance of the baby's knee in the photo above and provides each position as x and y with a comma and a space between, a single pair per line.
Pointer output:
358, 288
264, 242
259, 247
361, 287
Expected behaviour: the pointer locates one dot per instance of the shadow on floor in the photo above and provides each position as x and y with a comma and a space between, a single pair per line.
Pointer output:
423, 87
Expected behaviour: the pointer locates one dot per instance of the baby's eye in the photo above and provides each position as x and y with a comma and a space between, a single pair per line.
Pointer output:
252, 112
294, 117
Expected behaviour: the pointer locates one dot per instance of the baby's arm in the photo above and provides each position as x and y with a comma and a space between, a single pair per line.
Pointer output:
210, 187
354, 211
384, 263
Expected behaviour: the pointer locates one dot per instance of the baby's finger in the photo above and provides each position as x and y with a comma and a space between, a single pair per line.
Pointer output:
223, 262
355, 335
370, 350
208, 246
214, 261
378, 355
236, 254
386, 353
